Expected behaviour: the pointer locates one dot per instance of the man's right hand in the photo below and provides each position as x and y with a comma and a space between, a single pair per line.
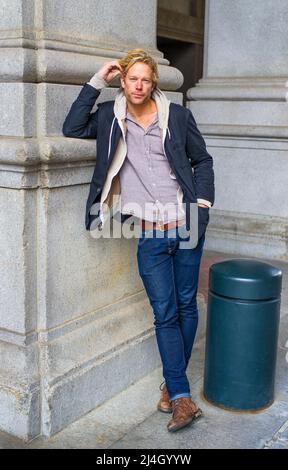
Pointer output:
110, 70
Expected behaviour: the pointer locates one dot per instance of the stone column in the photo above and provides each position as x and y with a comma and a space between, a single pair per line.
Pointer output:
241, 107
75, 324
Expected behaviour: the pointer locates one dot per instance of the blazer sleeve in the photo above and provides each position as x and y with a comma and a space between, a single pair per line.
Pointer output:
201, 161
80, 122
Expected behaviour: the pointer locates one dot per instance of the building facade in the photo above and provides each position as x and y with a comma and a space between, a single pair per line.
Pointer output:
75, 324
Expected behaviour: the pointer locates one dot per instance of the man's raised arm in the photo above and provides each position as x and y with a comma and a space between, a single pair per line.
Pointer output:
80, 122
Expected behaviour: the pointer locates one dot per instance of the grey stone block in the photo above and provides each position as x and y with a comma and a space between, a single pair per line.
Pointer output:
247, 234
16, 15
244, 38
18, 109
18, 299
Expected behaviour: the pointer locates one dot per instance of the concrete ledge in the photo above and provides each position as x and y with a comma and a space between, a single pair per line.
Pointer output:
250, 88
240, 113
247, 234
47, 64
78, 344
91, 386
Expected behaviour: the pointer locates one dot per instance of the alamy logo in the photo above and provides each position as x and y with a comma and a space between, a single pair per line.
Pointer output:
108, 223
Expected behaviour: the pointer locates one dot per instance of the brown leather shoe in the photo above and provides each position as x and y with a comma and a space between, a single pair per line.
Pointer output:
184, 412
164, 404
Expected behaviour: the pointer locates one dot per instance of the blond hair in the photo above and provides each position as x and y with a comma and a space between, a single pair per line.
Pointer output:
139, 55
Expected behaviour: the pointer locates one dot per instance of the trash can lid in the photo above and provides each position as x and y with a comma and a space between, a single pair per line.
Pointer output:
246, 279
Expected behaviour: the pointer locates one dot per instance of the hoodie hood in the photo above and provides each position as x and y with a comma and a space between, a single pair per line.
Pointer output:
162, 104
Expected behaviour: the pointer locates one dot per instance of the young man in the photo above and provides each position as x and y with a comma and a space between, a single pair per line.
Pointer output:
151, 153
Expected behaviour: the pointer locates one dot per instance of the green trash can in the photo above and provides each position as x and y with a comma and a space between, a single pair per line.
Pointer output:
242, 334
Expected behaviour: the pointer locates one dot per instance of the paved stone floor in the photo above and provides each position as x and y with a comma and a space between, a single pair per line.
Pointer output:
130, 419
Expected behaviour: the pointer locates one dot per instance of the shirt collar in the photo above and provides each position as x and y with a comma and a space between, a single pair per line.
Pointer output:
129, 117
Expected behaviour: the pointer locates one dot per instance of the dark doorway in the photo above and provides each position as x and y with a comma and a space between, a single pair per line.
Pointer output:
180, 36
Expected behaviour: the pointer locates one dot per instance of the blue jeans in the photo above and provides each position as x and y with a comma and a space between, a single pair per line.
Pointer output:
170, 277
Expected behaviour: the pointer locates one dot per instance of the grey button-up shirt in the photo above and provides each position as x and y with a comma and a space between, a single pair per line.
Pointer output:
145, 176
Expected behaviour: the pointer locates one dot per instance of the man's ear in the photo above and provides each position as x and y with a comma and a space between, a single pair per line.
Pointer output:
122, 80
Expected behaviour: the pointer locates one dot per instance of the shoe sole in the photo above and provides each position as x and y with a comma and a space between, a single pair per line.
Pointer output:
183, 424
164, 410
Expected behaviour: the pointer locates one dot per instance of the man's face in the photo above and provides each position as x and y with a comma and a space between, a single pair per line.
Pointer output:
138, 84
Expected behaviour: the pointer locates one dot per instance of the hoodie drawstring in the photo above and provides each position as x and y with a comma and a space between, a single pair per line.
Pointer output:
110, 137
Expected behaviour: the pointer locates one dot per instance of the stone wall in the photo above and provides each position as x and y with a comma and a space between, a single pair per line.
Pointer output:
240, 105
75, 324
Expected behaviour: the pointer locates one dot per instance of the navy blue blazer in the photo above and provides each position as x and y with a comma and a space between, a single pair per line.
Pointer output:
184, 147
